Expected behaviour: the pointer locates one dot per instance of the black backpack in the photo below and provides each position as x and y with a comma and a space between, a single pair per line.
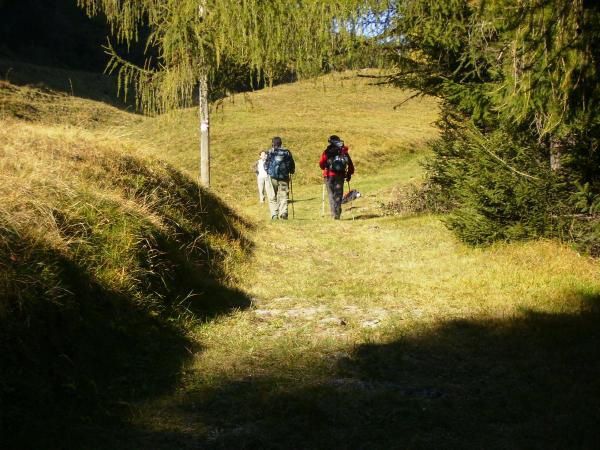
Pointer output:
280, 164
336, 160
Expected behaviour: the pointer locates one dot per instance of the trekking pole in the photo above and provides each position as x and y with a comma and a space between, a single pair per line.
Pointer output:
292, 195
351, 201
323, 202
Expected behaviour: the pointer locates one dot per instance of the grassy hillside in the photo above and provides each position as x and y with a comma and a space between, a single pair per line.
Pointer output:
106, 260
304, 114
377, 331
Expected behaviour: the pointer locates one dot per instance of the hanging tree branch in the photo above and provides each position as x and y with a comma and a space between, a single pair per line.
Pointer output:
265, 36
481, 141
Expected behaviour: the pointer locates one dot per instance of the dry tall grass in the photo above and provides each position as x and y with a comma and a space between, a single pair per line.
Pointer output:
107, 259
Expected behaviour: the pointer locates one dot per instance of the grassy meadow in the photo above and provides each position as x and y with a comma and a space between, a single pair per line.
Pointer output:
217, 328
304, 114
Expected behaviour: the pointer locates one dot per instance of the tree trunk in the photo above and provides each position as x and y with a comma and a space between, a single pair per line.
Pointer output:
556, 147
204, 133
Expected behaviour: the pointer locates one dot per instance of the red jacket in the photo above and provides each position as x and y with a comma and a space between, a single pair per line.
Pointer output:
330, 173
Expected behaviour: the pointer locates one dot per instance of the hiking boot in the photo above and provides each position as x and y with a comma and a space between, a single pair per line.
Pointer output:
283, 216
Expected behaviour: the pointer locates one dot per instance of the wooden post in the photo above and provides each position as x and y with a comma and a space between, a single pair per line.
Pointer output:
204, 132
555, 154
204, 116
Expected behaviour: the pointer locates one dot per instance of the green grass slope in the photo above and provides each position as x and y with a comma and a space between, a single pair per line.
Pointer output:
382, 331
304, 114
106, 260
376, 331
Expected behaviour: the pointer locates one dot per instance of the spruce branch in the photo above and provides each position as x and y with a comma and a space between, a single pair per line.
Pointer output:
479, 138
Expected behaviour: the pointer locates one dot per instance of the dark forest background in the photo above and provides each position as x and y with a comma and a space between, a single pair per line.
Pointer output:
53, 33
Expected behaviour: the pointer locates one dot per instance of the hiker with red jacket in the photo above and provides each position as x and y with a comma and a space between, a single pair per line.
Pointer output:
337, 166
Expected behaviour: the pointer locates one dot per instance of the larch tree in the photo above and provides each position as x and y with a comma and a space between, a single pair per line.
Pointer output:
187, 41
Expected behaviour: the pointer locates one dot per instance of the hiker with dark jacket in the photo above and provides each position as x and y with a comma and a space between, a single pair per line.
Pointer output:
280, 165
337, 166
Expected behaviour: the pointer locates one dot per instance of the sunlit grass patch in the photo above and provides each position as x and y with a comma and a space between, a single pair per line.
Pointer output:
304, 114
376, 331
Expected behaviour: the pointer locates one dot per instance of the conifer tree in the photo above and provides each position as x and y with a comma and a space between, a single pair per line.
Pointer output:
519, 154
192, 38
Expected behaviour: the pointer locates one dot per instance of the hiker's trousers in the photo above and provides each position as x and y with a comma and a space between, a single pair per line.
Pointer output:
335, 189
277, 190
263, 190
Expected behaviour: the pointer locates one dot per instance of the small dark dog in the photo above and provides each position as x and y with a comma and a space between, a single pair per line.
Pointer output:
350, 196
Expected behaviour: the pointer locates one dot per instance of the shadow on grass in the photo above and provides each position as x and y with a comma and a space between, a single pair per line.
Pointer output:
93, 86
78, 352
71, 364
299, 200
212, 212
367, 216
526, 382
